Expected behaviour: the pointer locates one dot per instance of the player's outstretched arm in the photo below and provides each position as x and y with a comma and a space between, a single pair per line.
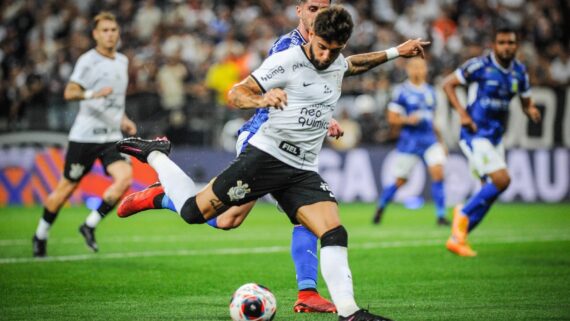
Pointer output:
449, 84
248, 94
361, 63
530, 109
73, 91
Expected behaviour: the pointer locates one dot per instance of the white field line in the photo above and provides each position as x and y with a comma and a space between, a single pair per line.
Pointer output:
272, 249
380, 237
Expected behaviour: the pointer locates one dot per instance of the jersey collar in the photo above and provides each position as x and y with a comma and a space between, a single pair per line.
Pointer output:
298, 32
498, 65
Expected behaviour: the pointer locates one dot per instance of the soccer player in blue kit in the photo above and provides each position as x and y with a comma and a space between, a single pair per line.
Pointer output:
498, 77
412, 108
304, 243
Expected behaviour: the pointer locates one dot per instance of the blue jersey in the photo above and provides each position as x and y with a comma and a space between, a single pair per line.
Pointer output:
495, 87
408, 99
289, 40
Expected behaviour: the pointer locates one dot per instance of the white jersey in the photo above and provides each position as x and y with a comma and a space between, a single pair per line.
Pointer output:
295, 134
99, 120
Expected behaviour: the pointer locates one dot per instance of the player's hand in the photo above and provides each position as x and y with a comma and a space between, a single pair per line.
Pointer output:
534, 114
334, 129
128, 127
412, 48
468, 123
412, 120
275, 97
104, 92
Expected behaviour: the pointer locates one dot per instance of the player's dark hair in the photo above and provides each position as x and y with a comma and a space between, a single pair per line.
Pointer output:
333, 24
504, 29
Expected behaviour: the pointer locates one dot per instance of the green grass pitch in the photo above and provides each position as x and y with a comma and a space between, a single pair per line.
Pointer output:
155, 267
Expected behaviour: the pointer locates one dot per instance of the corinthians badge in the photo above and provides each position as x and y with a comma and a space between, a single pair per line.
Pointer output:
238, 192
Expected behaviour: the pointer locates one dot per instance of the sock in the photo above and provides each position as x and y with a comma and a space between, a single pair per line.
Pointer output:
438, 195
335, 271
177, 185
304, 254
167, 203
97, 215
387, 195
480, 204
45, 223
213, 222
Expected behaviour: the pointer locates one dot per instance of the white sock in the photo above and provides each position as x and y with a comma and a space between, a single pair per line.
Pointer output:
93, 219
335, 271
42, 230
177, 185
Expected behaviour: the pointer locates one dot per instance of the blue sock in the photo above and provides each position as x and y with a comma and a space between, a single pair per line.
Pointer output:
387, 195
304, 254
438, 195
213, 222
167, 203
480, 204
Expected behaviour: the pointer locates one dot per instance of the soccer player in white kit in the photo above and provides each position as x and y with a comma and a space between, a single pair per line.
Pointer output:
99, 80
303, 85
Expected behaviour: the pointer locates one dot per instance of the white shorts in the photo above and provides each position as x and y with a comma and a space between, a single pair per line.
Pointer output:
484, 157
405, 162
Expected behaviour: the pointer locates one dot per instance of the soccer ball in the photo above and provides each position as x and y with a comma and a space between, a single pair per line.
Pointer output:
253, 302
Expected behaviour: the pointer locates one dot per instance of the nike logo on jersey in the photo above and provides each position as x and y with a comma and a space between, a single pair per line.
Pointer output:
307, 84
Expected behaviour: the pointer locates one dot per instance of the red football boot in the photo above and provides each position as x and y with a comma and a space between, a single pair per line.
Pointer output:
147, 199
309, 301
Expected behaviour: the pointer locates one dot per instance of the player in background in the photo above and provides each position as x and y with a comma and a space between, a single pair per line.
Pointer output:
412, 110
303, 85
497, 77
99, 80
304, 243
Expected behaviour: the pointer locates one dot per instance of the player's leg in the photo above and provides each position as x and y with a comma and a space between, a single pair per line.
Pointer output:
79, 159
232, 218
489, 161
304, 255
479, 205
403, 165
435, 160
120, 170
323, 220
52, 205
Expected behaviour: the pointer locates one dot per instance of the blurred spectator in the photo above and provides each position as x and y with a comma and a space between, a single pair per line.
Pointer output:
178, 46
224, 74
171, 84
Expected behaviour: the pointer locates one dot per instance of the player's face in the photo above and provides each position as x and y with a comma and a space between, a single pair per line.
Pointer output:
323, 53
417, 70
308, 11
505, 46
106, 34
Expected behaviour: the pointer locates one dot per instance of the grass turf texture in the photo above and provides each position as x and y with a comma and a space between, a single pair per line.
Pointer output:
155, 267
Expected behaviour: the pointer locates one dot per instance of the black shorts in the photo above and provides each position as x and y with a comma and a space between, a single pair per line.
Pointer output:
255, 173
81, 156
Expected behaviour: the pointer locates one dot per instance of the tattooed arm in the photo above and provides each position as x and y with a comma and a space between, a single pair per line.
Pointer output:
248, 94
361, 63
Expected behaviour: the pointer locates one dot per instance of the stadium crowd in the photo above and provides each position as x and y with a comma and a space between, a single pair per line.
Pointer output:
185, 55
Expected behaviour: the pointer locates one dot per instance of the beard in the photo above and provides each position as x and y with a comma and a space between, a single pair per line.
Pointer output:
318, 65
